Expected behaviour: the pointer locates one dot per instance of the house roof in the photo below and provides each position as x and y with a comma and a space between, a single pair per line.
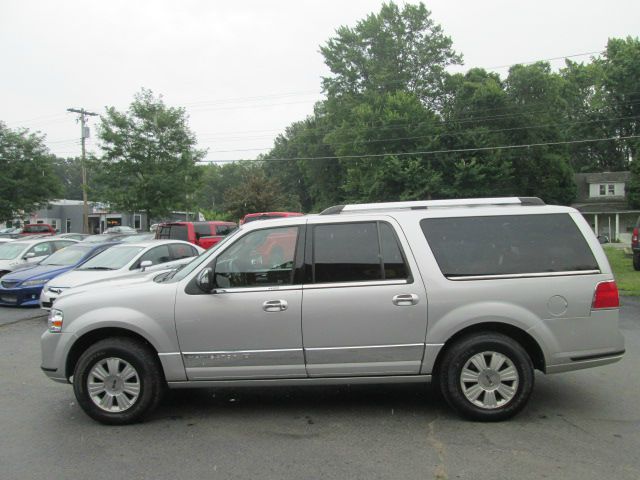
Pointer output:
603, 177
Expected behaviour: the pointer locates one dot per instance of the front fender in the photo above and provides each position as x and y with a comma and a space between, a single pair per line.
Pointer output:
160, 334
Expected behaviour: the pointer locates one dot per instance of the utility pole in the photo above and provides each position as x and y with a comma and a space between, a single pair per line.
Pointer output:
84, 134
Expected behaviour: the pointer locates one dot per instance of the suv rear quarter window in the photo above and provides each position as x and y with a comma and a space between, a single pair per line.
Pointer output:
507, 245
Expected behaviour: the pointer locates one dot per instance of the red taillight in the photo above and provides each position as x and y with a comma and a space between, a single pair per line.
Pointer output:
606, 296
634, 237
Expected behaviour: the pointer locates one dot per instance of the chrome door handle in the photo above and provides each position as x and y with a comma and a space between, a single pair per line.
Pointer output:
405, 300
275, 305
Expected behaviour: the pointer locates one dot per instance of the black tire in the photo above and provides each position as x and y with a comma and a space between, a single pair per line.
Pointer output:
456, 358
636, 261
147, 379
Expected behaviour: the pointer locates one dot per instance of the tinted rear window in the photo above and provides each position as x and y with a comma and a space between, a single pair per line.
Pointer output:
36, 229
507, 244
204, 229
173, 232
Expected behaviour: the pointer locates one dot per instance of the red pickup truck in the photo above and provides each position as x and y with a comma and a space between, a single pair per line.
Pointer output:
38, 229
203, 234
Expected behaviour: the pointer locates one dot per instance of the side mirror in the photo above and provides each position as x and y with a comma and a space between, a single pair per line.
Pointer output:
205, 280
145, 264
29, 255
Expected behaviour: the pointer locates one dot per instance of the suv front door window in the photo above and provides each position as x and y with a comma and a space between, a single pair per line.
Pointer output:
259, 259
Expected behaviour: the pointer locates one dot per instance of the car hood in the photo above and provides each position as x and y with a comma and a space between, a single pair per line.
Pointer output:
111, 283
9, 264
36, 272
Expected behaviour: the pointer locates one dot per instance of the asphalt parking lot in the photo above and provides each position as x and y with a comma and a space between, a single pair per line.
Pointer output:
579, 425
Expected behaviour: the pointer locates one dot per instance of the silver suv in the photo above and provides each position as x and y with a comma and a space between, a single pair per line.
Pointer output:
470, 294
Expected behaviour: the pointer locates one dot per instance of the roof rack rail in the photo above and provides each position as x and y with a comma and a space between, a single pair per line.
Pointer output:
424, 204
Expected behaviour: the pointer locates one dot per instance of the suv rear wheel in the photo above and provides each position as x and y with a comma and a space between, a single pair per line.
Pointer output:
636, 261
486, 376
118, 381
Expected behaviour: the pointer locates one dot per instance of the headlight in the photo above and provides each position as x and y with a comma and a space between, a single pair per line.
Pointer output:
33, 283
54, 320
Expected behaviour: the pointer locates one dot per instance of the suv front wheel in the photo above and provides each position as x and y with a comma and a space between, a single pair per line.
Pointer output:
486, 376
118, 381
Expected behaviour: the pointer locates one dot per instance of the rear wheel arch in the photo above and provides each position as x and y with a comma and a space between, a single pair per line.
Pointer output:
530, 345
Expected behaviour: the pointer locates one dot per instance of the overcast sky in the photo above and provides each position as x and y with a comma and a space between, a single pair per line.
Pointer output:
244, 70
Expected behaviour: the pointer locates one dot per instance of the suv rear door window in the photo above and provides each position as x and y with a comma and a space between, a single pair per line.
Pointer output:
356, 252
507, 245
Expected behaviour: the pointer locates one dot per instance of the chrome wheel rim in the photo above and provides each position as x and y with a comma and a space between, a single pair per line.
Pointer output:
113, 385
489, 380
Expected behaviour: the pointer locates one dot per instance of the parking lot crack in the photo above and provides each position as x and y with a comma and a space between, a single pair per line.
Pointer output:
440, 472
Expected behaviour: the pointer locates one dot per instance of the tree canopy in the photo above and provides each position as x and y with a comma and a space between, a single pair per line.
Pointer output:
28, 180
150, 156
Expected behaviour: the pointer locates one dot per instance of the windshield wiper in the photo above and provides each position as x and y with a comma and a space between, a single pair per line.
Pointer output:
97, 268
170, 274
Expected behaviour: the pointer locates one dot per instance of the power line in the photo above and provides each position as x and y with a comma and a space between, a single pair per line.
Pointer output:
446, 134
521, 111
309, 92
427, 152
544, 60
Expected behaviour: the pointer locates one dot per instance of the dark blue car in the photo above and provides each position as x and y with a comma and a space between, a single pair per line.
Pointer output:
23, 287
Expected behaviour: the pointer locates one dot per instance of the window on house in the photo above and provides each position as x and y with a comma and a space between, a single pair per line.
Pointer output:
611, 190
603, 189
137, 221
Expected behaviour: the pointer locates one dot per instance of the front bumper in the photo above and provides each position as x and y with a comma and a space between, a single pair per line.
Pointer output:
55, 347
20, 296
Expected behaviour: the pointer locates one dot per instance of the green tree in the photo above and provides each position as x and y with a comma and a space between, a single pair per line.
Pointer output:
28, 179
258, 193
375, 128
150, 156
317, 181
545, 170
477, 115
395, 49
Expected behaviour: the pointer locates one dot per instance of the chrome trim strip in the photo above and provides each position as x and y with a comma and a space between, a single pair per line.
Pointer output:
372, 283
168, 354
272, 288
365, 346
244, 351
524, 275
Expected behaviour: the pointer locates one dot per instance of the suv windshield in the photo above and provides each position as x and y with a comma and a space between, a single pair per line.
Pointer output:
11, 250
112, 259
67, 256
197, 261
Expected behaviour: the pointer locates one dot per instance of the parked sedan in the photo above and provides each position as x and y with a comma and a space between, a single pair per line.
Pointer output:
23, 287
75, 236
15, 254
119, 261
